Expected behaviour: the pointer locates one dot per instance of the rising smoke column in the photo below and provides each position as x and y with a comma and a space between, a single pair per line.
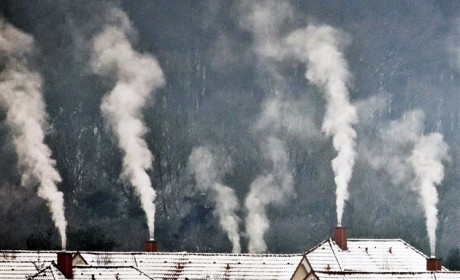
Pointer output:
320, 48
137, 76
203, 166
271, 188
426, 160
411, 159
20, 94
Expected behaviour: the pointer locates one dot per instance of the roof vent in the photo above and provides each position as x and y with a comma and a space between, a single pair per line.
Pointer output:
64, 264
340, 237
433, 264
151, 246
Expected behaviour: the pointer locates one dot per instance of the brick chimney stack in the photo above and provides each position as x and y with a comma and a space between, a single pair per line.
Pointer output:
433, 264
151, 246
340, 237
64, 264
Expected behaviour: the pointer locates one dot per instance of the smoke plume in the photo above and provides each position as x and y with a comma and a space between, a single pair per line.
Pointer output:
137, 77
203, 166
20, 94
412, 159
271, 188
426, 160
320, 48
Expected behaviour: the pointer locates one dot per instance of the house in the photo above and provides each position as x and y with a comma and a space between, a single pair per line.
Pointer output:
334, 258
353, 259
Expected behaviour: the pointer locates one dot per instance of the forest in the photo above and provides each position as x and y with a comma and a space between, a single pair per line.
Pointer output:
231, 90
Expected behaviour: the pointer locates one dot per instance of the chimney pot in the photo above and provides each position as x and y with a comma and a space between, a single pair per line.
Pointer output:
433, 264
340, 237
64, 264
151, 246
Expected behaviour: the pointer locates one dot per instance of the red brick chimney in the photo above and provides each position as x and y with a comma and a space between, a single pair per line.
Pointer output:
433, 264
340, 237
64, 264
151, 246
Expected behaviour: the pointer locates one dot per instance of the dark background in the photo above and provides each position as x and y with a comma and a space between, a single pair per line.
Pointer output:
404, 53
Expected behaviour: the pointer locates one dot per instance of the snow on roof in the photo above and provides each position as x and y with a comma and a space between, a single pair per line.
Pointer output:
28, 256
141, 265
202, 266
388, 275
17, 270
367, 255
48, 273
109, 272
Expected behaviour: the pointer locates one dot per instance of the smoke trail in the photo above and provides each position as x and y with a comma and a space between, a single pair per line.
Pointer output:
266, 189
320, 48
426, 160
20, 93
138, 75
393, 146
412, 159
203, 165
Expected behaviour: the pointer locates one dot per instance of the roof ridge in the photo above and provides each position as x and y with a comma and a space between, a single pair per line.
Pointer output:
376, 239
385, 272
315, 247
333, 251
103, 266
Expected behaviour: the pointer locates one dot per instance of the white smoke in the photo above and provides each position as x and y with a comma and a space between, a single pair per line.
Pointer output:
394, 144
286, 116
20, 94
264, 20
320, 47
272, 188
203, 165
138, 76
426, 160
411, 159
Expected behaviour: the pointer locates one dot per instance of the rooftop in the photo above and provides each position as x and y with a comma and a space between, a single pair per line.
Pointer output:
367, 255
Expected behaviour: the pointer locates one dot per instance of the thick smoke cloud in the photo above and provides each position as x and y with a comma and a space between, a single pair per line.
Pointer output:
321, 48
138, 76
204, 167
20, 94
426, 160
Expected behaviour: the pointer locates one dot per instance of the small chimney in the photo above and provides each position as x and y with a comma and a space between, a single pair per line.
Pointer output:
151, 246
340, 237
64, 264
433, 264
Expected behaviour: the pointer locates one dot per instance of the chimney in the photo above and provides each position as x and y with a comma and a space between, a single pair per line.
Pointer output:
64, 264
433, 264
340, 237
151, 246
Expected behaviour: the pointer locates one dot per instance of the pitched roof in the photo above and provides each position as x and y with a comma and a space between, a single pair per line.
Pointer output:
194, 265
445, 275
48, 273
367, 255
18, 269
141, 265
109, 273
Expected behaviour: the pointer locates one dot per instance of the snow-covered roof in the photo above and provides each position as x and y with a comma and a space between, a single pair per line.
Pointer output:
17, 270
109, 273
445, 275
48, 273
367, 255
141, 265
21, 264
202, 266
